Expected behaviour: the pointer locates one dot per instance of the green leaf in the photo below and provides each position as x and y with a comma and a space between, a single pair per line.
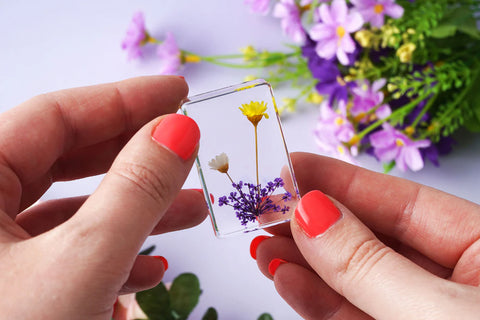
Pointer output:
265, 316
155, 303
387, 167
184, 294
211, 314
473, 100
458, 19
147, 251
444, 31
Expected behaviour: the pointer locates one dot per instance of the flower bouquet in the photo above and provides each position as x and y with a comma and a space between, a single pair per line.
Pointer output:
394, 79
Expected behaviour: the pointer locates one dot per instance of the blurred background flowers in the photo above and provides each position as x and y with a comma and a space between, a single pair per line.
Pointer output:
393, 79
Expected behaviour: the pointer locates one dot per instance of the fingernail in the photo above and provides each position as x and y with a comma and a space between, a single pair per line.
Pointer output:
182, 77
178, 133
254, 245
211, 195
164, 261
274, 264
316, 213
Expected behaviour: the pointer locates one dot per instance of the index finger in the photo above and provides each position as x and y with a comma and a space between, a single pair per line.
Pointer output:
437, 224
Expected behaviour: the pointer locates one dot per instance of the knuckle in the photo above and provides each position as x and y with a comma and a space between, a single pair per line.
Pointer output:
146, 180
360, 261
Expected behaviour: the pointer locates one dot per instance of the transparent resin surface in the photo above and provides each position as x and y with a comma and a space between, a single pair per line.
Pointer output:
241, 157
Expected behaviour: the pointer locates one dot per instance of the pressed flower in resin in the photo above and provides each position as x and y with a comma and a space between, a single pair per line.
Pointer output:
251, 200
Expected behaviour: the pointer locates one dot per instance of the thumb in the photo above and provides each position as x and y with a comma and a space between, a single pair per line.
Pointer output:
138, 189
372, 276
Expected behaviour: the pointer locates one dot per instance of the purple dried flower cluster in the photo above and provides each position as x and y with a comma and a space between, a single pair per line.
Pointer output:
250, 200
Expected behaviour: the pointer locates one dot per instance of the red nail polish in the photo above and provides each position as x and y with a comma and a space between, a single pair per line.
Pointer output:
316, 213
164, 261
178, 133
212, 198
274, 264
182, 77
254, 245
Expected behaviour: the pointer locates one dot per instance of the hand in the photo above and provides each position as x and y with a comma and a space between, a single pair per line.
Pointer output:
380, 247
71, 258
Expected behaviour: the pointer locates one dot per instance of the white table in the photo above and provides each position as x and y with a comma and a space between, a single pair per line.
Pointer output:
51, 45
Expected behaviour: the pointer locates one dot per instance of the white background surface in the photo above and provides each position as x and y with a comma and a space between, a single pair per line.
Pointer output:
50, 45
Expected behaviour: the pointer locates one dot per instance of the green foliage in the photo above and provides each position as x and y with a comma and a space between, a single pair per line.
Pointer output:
211, 314
175, 304
155, 303
184, 295
459, 19
265, 316
147, 251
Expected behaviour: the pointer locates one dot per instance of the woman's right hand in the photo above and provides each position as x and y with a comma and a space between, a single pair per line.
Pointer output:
376, 247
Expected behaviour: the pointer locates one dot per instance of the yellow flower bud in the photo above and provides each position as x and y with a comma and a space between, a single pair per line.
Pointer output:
405, 52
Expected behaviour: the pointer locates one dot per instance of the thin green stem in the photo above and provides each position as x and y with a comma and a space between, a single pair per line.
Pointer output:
424, 111
403, 109
230, 65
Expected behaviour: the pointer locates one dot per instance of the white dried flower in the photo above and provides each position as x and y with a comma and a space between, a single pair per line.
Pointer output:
219, 163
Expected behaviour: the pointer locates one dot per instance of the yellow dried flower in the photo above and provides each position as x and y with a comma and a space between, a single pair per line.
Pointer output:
254, 111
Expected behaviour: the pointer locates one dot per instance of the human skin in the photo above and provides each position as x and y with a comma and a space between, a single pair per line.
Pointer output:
71, 258
397, 249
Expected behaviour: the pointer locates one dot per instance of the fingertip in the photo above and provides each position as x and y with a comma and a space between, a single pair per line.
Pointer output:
254, 245
177, 133
164, 261
307, 214
274, 264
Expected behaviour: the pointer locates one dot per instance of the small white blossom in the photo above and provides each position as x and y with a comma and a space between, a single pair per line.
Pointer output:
219, 163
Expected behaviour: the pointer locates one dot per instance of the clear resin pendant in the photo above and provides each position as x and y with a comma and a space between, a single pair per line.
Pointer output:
243, 160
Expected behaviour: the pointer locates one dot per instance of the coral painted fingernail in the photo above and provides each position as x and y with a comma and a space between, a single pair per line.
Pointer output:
254, 245
316, 213
182, 77
164, 261
211, 195
274, 264
178, 133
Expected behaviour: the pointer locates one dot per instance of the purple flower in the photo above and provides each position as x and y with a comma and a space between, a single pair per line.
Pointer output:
258, 6
332, 83
289, 12
367, 97
170, 55
333, 32
374, 11
442, 147
135, 36
390, 144
333, 131
250, 201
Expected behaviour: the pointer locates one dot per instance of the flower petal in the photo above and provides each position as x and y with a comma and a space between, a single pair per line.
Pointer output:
339, 10
381, 139
413, 158
383, 111
378, 84
324, 13
394, 10
387, 154
377, 20
342, 57
347, 44
353, 22
327, 48
321, 31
